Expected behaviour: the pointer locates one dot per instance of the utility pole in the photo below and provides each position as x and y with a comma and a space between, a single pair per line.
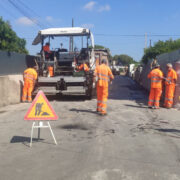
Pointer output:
72, 37
145, 40
82, 41
150, 43
71, 40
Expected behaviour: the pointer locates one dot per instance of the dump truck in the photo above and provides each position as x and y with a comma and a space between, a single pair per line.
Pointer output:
64, 60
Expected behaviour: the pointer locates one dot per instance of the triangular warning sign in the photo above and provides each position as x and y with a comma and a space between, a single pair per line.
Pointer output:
40, 109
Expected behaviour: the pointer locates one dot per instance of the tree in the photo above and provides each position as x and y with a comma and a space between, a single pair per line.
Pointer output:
123, 59
9, 41
159, 48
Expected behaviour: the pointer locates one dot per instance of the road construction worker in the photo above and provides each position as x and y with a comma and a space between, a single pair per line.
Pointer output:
102, 74
83, 67
47, 51
50, 71
170, 83
30, 77
46, 48
154, 62
156, 77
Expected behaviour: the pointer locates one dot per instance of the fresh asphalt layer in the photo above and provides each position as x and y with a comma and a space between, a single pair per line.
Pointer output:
132, 142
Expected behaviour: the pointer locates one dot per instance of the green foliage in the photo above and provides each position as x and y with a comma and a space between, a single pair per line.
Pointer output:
9, 41
123, 59
96, 46
159, 48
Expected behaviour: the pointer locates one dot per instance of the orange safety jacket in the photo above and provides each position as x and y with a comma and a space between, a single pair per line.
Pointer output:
83, 67
50, 70
156, 76
103, 73
171, 77
30, 75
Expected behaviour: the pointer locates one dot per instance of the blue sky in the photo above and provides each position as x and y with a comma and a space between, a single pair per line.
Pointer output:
117, 24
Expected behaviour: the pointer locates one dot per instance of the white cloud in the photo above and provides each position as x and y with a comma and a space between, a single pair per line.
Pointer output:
89, 6
88, 26
49, 18
104, 8
25, 21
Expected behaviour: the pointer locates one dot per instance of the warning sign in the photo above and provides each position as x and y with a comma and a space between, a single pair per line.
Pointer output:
40, 109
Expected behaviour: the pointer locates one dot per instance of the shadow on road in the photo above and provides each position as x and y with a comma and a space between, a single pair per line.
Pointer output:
74, 126
60, 97
22, 139
140, 106
174, 133
26, 140
83, 110
169, 130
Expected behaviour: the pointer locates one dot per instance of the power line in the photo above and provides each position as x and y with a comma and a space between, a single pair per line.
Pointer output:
25, 14
115, 35
31, 10
138, 35
164, 35
6, 10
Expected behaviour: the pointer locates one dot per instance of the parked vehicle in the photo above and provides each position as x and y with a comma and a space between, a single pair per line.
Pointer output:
131, 69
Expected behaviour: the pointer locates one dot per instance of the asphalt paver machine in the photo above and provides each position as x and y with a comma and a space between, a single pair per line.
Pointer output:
66, 79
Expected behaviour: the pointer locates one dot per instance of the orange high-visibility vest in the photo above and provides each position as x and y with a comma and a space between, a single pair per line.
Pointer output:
30, 75
156, 78
50, 70
103, 73
171, 76
83, 67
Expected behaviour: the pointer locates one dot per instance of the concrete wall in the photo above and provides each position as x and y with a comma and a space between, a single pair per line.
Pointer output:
10, 89
12, 66
162, 59
174, 59
14, 63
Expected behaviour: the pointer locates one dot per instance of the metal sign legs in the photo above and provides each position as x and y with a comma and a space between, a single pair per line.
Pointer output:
41, 125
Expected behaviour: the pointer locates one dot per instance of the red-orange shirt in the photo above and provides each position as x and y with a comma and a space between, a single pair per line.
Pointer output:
46, 48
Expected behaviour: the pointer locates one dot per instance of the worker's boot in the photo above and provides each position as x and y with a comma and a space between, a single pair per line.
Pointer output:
156, 107
103, 113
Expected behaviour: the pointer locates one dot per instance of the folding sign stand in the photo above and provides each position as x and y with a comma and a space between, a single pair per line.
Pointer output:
41, 112
41, 125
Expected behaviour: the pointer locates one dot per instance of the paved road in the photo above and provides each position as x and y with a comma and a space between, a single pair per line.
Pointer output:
131, 143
